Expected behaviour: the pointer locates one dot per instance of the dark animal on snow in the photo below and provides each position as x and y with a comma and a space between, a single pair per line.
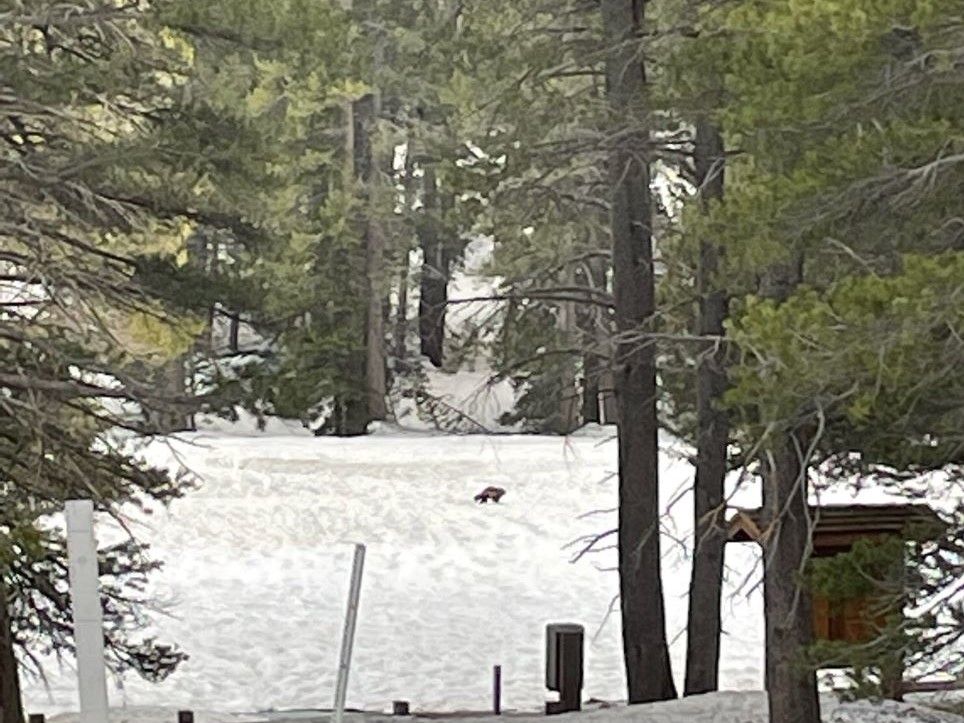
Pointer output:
489, 493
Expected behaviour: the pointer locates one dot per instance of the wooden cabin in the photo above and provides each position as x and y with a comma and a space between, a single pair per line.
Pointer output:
836, 529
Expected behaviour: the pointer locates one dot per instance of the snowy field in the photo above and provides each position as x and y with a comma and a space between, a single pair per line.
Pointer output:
258, 557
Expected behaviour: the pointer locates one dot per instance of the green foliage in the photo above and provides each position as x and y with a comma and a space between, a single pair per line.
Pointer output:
869, 568
90, 94
870, 357
888, 575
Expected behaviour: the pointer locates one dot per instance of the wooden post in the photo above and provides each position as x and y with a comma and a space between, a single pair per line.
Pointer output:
400, 707
497, 690
36, 718
185, 716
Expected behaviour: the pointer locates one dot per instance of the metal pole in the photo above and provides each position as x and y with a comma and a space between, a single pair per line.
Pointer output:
497, 690
348, 638
88, 616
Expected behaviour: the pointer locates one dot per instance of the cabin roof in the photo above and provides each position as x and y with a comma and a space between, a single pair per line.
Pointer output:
841, 521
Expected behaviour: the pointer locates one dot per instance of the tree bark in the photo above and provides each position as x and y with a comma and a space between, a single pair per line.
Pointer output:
569, 398
364, 113
234, 332
11, 705
706, 579
646, 653
608, 397
171, 379
791, 685
590, 389
595, 334
401, 313
433, 284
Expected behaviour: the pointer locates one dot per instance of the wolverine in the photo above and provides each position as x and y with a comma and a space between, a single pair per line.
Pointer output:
489, 493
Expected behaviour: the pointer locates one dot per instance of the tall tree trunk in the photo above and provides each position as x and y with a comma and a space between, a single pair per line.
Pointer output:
648, 671
11, 705
350, 414
706, 580
364, 114
791, 685
433, 284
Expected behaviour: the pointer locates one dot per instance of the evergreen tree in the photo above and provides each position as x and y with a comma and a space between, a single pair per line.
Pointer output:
822, 223
87, 90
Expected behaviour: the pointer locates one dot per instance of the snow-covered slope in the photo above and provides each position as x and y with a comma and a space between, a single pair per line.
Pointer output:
258, 560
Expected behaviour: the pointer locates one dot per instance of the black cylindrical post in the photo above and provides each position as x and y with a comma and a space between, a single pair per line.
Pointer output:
497, 690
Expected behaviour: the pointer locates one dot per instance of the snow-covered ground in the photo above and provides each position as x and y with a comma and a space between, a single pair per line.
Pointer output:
257, 563
258, 557
730, 707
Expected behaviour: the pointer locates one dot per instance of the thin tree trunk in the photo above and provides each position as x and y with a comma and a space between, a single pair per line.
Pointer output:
648, 671
234, 333
594, 333
433, 284
213, 269
791, 685
350, 414
364, 113
607, 393
401, 313
569, 398
706, 580
590, 389
171, 380
11, 705
400, 341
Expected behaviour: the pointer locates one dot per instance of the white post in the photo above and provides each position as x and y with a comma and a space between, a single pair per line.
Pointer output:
348, 637
88, 617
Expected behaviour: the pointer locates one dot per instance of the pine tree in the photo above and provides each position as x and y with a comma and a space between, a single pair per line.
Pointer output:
646, 652
87, 92
822, 223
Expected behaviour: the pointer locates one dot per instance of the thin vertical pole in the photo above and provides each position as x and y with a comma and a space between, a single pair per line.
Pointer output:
87, 613
497, 690
348, 638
